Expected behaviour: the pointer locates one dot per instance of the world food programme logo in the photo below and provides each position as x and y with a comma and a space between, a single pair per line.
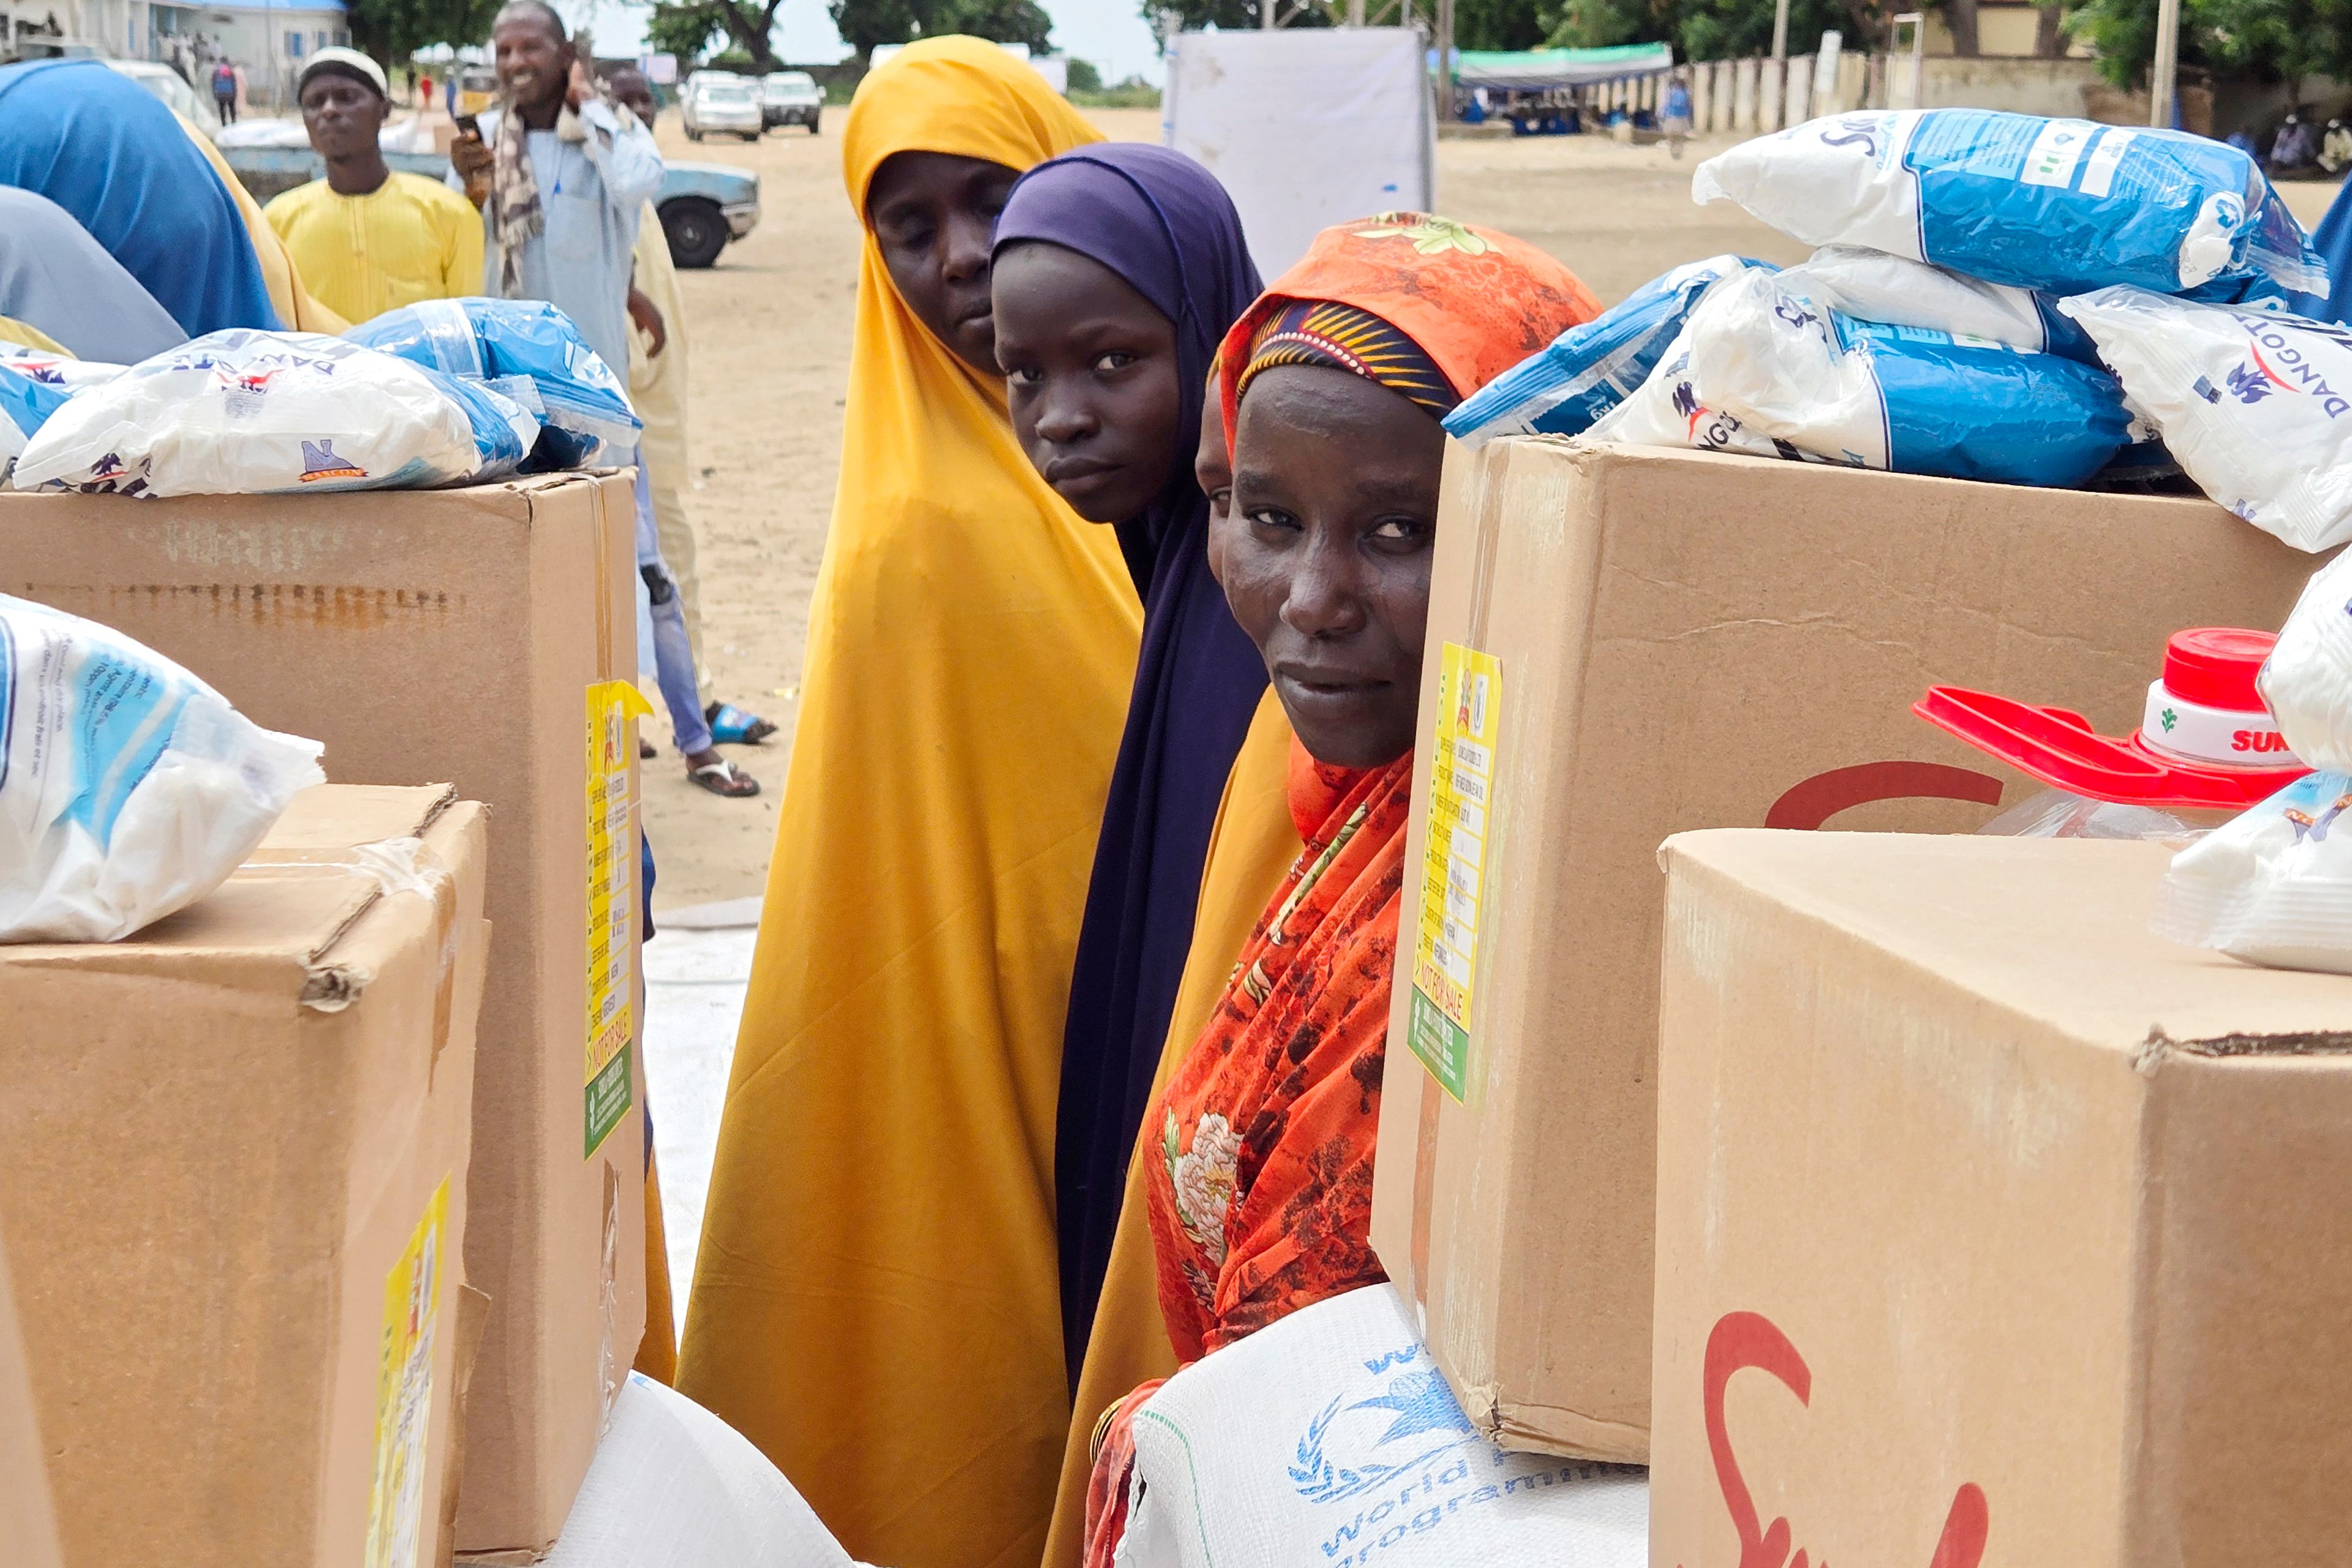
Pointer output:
1353, 1449
320, 461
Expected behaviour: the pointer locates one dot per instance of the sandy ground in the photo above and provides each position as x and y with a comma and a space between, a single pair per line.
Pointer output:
770, 330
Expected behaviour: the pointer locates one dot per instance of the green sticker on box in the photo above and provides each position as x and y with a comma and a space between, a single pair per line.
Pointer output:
1453, 862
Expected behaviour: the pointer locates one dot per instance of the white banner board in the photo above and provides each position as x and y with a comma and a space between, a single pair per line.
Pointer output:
1307, 128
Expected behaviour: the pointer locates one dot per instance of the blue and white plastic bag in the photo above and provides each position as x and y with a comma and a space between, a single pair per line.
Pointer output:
2062, 205
530, 351
1872, 286
129, 788
34, 385
1763, 368
2255, 405
253, 413
1589, 370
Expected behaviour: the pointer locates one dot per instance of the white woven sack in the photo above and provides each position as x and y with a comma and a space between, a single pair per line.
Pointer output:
675, 1486
1333, 1439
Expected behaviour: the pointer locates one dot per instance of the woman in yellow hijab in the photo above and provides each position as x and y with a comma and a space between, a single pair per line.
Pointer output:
875, 1303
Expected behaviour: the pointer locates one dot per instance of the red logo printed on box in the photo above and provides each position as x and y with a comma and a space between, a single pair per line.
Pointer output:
1742, 1340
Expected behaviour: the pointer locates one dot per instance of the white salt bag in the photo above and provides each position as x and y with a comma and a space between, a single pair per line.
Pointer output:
672, 1486
129, 788
1331, 1438
2254, 405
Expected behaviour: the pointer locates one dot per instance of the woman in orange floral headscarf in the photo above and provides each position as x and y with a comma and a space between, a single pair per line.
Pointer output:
1260, 1179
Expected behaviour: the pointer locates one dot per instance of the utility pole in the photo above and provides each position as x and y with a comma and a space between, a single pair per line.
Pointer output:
1265, 13
2166, 68
1780, 32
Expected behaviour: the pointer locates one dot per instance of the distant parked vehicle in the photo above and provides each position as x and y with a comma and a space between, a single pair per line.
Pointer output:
702, 206
172, 88
722, 100
791, 98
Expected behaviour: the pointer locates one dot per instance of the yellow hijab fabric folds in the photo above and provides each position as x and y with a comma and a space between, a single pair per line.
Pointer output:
875, 1303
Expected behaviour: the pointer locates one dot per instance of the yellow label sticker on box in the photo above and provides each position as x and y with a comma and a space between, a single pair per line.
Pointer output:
1453, 862
612, 902
404, 1399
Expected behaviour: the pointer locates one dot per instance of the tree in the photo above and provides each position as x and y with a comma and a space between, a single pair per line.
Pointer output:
685, 29
1718, 29
1503, 23
2268, 39
392, 30
1084, 77
1190, 15
863, 24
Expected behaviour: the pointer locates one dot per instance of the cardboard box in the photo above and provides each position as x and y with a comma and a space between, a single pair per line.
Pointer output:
476, 636
1647, 642
28, 1523
1992, 1227
236, 1197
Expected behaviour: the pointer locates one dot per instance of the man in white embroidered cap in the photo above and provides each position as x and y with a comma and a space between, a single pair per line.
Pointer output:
364, 240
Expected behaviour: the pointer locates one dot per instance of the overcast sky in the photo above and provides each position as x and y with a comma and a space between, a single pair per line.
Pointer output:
1110, 33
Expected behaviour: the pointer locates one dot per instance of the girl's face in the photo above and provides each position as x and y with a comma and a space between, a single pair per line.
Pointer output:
933, 215
1090, 372
1328, 553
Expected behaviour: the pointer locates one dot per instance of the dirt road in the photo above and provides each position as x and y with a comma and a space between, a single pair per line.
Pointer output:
770, 328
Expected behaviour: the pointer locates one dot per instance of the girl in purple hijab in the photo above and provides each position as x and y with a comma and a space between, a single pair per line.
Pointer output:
1117, 270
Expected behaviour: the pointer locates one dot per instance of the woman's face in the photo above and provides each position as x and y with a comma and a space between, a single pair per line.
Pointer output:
1090, 372
932, 214
1212, 470
1327, 555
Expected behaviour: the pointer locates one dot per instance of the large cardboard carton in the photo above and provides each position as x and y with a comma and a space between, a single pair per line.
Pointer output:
1992, 1227
28, 1523
1624, 644
234, 1196
480, 637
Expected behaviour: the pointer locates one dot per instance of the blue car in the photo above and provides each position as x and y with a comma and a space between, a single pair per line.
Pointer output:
702, 205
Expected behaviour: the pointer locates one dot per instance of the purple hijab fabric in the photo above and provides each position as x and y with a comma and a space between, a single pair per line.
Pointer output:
1163, 224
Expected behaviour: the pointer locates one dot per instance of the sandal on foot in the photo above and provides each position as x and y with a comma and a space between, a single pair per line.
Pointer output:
733, 726
721, 778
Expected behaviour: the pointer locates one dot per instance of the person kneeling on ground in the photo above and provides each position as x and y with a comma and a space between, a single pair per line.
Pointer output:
1333, 383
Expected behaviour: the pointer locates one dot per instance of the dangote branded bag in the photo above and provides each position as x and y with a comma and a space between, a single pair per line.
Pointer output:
2061, 206
251, 413
2255, 405
1762, 370
128, 787
1331, 1437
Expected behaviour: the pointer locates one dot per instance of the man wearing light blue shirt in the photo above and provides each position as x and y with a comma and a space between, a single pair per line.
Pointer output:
561, 175
560, 200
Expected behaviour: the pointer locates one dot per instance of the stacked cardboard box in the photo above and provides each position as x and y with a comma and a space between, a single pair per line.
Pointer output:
1625, 644
28, 1523
479, 637
236, 1197
1992, 1226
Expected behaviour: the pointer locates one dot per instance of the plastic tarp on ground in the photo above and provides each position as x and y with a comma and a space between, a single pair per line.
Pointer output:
1307, 128
1531, 69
